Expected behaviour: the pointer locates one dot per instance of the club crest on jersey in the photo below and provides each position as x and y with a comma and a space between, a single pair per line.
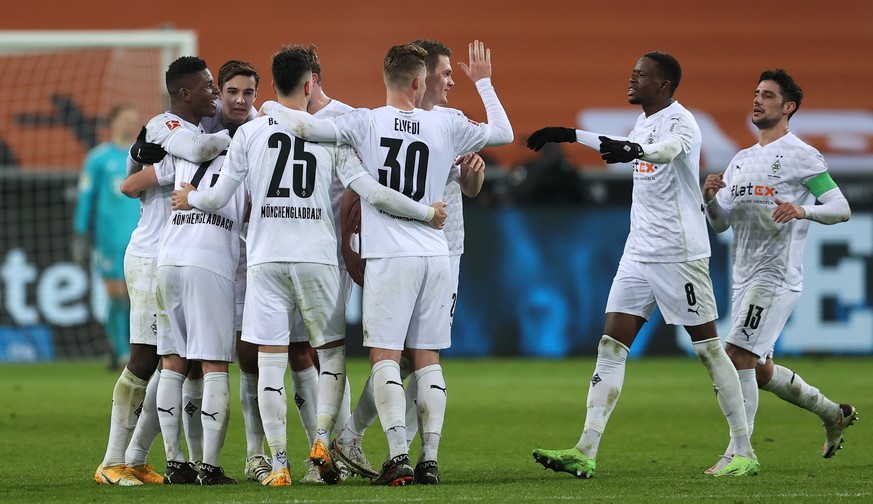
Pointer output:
777, 165
173, 124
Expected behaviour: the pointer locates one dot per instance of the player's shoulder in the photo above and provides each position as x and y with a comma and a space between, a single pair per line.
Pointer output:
163, 124
449, 110
334, 108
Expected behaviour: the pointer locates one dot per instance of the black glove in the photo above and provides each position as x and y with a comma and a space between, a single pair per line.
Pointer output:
146, 153
615, 151
554, 134
231, 128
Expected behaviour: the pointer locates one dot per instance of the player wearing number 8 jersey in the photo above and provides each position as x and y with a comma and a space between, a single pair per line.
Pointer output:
665, 260
292, 259
406, 287
767, 196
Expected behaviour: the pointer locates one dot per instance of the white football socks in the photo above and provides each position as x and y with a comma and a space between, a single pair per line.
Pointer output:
305, 386
248, 398
127, 396
331, 385
215, 414
603, 392
147, 427
432, 397
726, 383
789, 386
192, 403
273, 403
391, 405
169, 406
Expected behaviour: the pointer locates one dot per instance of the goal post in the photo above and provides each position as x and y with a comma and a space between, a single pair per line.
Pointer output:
56, 89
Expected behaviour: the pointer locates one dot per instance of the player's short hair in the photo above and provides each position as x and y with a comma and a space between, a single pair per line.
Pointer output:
668, 66
791, 92
180, 70
289, 68
117, 109
308, 50
434, 50
234, 68
403, 63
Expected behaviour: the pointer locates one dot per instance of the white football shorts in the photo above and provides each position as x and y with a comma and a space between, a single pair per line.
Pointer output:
197, 306
141, 279
298, 327
455, 264
276, 292
407, 301
758, 315
683, 291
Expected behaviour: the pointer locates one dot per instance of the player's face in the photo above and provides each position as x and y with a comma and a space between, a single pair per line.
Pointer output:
237, 98
645, 82
126, 124
769, 106
439, 82
203, 94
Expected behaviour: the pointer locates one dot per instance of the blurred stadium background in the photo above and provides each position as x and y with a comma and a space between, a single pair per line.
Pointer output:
544, 238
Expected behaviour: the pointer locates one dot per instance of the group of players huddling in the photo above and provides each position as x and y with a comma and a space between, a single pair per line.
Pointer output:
255, 223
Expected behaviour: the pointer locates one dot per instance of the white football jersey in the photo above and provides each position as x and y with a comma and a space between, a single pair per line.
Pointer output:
208, 240
410, 152
332, 109
454, 227
667, 219
764, 250
290, 182
155, 201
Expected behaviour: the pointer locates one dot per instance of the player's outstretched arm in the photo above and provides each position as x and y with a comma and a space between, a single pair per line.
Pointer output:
209, 200
300, 124
197, 147
479, 71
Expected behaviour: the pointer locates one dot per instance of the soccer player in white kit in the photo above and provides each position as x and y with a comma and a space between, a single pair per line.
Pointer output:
665, 260
406, 288
292, 200
172, 132
467, 176
767, 196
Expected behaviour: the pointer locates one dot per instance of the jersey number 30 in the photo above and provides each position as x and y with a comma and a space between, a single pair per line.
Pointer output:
414, 169
303, 176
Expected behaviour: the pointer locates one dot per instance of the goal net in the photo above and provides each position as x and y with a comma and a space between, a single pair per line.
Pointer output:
56, 89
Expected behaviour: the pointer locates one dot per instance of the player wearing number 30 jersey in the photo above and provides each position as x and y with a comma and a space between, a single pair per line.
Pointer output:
292, 260
406, 282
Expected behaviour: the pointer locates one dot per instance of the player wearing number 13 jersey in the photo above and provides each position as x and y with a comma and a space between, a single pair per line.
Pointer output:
407, 297
767, 196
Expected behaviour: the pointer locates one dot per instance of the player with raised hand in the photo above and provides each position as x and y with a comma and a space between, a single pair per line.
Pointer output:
665, 261
773, 187
407, 298
292, 248
467, 176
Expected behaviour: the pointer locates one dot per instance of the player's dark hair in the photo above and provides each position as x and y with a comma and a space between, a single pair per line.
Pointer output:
314, 62
234, 68
289, 68
180, 70
403, 63
668, 66
434, 51
791, 92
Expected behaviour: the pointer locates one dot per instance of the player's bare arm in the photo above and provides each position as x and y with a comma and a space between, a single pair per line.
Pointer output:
472, 173
786, 211
713, 183
350, 224
180, 196
138, 182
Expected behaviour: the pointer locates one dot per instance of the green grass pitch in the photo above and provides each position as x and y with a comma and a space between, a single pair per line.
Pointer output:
665, 431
